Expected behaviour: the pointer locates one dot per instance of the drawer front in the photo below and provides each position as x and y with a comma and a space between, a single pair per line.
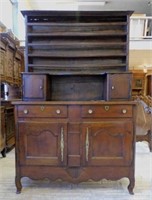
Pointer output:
106, 111
42, 111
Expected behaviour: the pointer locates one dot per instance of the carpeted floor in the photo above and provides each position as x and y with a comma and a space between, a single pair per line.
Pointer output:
58, 190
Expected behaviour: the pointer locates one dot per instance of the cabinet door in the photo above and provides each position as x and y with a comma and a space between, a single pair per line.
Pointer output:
107, 143
34, 87
119, 86
42, 143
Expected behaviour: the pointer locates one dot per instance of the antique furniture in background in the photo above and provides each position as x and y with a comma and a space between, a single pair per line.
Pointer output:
12, 60
144, 120
9, 129
11, 66
138, 84
2, 133
142, 94
149, 84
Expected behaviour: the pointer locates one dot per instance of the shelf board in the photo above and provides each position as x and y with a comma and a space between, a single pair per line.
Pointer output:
77, 24
71, 54
76, 66
66, 44
74, 34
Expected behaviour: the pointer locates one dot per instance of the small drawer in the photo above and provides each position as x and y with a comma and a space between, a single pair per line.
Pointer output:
106, 111
42, 111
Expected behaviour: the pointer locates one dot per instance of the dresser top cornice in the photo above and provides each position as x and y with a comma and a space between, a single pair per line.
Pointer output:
69, 13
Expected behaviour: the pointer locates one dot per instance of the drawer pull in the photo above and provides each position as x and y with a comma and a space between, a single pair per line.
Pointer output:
112, 87
124, 111
58, 111
90, 111
26, 112
41, 87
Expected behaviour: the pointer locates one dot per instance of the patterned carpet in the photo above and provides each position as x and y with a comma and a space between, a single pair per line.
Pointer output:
58, 190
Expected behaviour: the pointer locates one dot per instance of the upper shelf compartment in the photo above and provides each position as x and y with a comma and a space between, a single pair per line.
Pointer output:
77, 39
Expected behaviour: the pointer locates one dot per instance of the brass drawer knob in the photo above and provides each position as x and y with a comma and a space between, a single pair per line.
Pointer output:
26, 112
90, 111
58, 111
124, 111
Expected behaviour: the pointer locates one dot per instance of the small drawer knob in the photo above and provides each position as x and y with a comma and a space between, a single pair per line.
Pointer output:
41, 87
58, 111
124, 111
90, 111
25, 112
112, 87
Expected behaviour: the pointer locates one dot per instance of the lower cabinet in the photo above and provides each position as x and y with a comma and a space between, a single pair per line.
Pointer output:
10, 127
9, 124
75, 141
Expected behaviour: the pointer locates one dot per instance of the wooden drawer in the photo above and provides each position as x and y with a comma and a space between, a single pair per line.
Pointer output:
106, 111
42, 111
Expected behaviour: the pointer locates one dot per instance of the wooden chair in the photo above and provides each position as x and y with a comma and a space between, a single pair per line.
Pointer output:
144, 120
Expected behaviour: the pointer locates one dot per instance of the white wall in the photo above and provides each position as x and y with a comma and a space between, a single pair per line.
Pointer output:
6, 13
139, 6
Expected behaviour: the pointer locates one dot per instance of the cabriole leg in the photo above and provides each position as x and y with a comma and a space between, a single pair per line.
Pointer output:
18, 185
3, 152
131, 186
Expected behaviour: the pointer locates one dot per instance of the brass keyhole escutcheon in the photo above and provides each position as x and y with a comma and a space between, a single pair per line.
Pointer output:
107, 108
42, 108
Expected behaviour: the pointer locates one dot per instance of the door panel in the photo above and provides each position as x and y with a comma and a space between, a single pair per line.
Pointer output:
42, 143
119, 86
33, 86
107, 143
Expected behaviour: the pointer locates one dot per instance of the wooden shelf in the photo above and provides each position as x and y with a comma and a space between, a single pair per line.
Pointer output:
77, 34
92, 40
83, 24
77, 44
75, 69
80, 54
